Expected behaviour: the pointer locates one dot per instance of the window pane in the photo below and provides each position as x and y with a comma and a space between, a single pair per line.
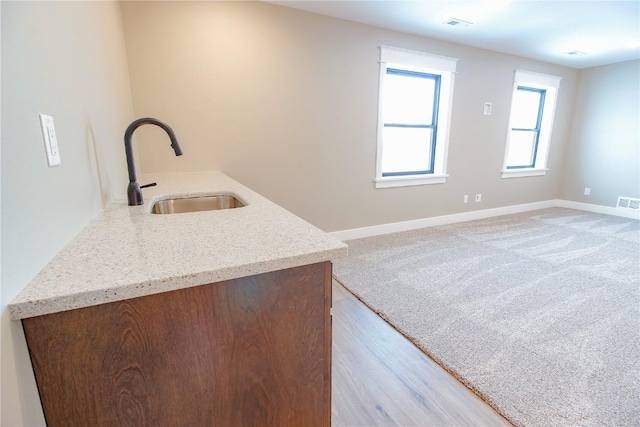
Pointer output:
525, 109
408, 99
521, 146
406, 150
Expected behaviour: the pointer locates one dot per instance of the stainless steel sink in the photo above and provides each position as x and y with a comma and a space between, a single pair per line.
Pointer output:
196, 204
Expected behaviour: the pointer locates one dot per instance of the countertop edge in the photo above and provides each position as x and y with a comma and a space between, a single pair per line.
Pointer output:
34, 308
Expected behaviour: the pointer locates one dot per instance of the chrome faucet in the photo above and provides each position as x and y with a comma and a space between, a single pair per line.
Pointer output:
134, 193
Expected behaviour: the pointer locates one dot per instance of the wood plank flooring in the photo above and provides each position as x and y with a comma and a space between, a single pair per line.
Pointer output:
379, 378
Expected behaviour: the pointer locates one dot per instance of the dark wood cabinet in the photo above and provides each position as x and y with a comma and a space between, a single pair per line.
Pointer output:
253, 351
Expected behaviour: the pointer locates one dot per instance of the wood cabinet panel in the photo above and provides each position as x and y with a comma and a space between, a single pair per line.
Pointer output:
249, 351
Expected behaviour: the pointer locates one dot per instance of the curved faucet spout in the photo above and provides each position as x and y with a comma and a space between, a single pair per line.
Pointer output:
134, 193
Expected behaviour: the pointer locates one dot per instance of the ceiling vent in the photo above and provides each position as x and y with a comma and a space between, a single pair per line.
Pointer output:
455, 22
628, 203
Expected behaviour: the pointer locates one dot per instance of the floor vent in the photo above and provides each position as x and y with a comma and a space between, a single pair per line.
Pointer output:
628, 203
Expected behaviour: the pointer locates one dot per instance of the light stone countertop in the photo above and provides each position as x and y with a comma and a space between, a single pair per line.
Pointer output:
128, 252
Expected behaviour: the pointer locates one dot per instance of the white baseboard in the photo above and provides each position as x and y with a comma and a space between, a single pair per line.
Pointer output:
609, 210
376, 230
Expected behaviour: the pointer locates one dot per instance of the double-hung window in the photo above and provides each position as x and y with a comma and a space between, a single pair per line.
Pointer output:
532, 110
528, 106
413, 117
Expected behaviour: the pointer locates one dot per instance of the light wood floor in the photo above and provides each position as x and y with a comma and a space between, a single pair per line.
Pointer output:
379, 378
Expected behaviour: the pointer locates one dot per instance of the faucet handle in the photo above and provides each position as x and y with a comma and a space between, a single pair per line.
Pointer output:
153, 184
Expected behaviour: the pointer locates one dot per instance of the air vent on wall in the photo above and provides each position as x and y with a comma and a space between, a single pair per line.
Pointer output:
455, 22
628, 203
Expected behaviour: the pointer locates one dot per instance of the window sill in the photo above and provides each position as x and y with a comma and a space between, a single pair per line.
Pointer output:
519, 173
406, 181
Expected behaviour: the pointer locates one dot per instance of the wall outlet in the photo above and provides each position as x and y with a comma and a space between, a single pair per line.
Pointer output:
587, 191
50, 140
478, 197
465, 199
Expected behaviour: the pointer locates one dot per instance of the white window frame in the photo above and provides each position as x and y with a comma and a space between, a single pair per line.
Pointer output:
551, 84
443, 66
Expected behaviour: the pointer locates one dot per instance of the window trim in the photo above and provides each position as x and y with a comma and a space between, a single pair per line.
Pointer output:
391, 57
551, 84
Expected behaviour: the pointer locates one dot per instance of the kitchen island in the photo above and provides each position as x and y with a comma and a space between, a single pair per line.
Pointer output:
204, 318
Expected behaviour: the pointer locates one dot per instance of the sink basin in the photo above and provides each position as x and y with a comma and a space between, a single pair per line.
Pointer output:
196, 204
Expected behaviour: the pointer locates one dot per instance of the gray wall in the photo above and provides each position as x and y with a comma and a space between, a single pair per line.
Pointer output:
66, 59
604, 153
285, 101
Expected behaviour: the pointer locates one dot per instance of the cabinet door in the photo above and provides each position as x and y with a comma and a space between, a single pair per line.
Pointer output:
249, 351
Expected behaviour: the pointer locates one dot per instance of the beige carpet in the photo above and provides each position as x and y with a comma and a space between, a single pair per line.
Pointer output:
539, 312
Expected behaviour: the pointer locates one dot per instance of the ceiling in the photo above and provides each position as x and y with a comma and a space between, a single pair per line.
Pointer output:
545, 30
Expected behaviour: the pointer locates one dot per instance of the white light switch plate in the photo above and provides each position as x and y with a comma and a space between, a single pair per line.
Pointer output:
50, 140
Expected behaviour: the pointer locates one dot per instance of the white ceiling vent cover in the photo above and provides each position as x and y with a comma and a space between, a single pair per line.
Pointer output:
628, 203
455, 22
